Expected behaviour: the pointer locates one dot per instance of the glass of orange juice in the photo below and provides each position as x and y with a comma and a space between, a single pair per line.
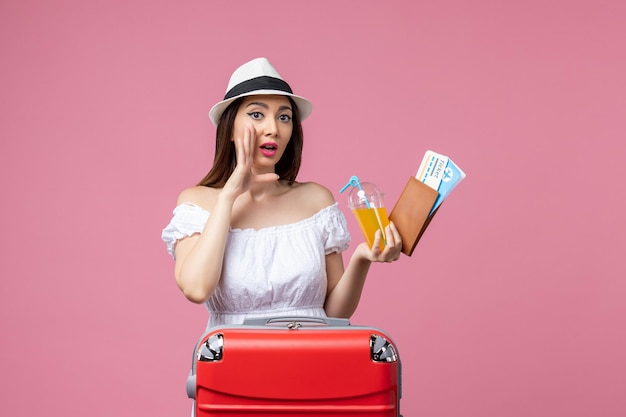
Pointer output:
367, 203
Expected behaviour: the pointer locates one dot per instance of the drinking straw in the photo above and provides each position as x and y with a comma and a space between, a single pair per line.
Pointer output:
354, 182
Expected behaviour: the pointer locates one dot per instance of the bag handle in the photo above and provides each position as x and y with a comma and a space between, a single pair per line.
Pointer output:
294, 322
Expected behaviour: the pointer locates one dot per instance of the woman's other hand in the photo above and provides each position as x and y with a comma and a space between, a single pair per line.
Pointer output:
392, 248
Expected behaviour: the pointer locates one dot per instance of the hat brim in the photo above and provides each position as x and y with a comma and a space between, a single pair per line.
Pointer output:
304, 106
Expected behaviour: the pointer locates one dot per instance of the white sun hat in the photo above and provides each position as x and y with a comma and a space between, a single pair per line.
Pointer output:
257, 77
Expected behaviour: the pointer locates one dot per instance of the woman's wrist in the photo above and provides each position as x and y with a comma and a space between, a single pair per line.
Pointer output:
226, 197
361, 254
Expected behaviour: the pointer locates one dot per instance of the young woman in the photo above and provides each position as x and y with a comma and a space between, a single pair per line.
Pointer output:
251, 241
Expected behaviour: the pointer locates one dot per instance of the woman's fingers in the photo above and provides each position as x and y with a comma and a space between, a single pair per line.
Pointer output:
375, 250
394, 243
240, 178
244, 146
393, 246
393, 235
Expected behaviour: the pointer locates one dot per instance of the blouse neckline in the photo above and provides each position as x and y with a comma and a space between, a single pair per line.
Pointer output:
280, 227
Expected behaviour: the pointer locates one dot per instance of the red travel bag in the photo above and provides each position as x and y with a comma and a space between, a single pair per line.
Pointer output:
294, 366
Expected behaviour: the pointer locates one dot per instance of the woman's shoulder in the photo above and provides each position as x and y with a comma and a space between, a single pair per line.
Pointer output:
198, 195
314, 194
313, 187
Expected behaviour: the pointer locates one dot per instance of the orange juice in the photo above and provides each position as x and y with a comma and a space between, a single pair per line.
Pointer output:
371, 220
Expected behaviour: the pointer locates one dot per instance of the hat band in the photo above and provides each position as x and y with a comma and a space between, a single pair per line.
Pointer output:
258, 83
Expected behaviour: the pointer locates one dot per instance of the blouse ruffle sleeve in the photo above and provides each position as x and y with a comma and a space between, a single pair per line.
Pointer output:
336, 230
188, 219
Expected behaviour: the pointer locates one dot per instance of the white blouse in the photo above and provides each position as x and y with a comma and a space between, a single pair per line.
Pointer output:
274, 271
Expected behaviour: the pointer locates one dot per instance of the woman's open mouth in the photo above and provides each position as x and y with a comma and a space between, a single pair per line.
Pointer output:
268, 149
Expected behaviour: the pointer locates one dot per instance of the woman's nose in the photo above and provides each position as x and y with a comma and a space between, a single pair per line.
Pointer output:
271, 127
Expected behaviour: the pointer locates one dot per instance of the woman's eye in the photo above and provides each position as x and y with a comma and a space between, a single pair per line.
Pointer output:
284, 118
256, 115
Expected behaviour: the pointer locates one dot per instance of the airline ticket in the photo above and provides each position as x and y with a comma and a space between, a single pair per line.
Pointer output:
440, 173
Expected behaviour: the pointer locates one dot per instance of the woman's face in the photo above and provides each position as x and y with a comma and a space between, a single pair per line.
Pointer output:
270, 117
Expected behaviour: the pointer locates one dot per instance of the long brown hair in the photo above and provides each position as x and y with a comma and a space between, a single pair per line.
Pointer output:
225, 158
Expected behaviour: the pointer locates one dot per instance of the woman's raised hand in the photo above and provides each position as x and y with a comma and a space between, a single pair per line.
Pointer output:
242, 177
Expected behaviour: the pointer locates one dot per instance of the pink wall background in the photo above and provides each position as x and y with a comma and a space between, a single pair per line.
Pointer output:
513, 304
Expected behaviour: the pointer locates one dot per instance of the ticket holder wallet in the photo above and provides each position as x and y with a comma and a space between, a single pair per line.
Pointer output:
410, 213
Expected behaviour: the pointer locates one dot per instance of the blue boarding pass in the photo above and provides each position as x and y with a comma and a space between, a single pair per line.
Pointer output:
439, 173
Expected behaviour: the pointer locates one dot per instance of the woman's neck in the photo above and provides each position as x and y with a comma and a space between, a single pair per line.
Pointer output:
262, 191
